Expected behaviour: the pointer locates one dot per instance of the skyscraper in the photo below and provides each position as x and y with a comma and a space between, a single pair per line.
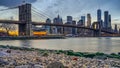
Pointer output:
74, 30
48, 27
80, 23
115, 29
69, 19
99, 17
68, 30
99, 14
88, 20
83, 19
109, 25
58, 20
106, 19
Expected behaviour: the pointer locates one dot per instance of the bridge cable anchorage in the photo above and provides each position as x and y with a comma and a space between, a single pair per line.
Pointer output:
8, 8
41, 12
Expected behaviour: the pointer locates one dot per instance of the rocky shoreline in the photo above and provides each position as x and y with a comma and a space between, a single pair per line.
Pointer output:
21, 57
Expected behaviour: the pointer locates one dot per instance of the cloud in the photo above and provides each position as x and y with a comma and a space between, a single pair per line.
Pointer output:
10, 3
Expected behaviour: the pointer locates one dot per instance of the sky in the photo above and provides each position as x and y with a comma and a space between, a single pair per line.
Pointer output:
75, 8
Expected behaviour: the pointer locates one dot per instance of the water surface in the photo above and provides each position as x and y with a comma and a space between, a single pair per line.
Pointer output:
106, 45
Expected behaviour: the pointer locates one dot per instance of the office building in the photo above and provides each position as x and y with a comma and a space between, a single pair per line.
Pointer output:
69, 19
109, 24
106, 19
80, 23
74, 30
99, 17
115, 29
83, 19
48, 28
88, 20
58, 20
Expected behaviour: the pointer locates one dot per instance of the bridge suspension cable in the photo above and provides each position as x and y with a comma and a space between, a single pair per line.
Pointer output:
8, 8
42, 12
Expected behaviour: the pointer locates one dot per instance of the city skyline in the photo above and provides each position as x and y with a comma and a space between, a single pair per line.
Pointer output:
78, 9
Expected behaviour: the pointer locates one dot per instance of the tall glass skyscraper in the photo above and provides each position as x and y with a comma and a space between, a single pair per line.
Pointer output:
99, 14
109, 26
99, 17
48, 27
69, 19
106, 19
88, 20
83, 19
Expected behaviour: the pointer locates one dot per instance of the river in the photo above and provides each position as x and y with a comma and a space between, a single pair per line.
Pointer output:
104, 44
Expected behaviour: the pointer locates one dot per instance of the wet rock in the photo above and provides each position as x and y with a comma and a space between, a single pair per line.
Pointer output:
55, 65
8, 51
2, 62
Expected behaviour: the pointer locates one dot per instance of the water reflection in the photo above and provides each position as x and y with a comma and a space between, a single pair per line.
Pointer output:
107, 45
25, 43
104, 45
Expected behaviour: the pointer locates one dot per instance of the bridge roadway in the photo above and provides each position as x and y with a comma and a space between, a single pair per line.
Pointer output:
49, 24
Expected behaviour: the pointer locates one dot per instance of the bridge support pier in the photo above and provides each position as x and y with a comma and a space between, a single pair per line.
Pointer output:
96, 33
25, 28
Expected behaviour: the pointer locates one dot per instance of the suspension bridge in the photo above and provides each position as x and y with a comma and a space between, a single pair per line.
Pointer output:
25, 23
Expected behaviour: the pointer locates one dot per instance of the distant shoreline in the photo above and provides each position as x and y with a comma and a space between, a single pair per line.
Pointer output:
31, 38
43, 37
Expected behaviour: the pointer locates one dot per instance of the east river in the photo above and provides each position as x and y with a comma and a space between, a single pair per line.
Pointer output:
104, 44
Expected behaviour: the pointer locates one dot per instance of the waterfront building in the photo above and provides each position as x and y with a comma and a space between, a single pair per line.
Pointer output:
58, 20
69, 19
106, 19
48, 28
99, 17
68, 30
54, 28
80, 23
115, 29
74, 30
99, 14
109, 25
88, 20
83, 19
119, 30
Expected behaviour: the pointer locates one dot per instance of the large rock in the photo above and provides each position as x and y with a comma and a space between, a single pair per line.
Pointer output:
2, 62
55, 65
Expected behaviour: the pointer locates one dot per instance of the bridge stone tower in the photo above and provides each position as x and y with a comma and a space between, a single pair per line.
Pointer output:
25, 28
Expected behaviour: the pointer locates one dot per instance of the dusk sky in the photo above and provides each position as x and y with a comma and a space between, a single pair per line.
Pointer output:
75, 8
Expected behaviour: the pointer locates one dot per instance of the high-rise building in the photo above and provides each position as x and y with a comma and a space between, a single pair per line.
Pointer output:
106, 19
88, 20
99, 14
69, 19
115, 29
68, 30
99, 17
74, 30
58, 20
80, 23
109, 25
83, 19
48, 28
119, 30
